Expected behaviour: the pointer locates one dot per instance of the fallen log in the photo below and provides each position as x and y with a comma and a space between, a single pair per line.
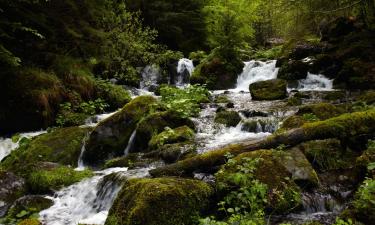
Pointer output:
341, 127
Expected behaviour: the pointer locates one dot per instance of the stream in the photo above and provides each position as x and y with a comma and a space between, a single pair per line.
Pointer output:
88, 201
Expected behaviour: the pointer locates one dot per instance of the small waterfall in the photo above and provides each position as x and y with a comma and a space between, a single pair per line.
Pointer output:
88, 201
95, 120
130, 143
7, 145
260, 125
314, 82
255, 71
185, 69
151, 76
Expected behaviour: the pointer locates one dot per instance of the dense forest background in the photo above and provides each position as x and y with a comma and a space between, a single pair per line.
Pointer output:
54, 52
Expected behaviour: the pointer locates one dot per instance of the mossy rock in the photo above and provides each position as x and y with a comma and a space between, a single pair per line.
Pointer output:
228, 118
110, 138
293, 70
294, 101
328, 154
250, 126
368, 156
171, 153
368, 97
171, 136
47, 180
61, 145
283, 192
133, 160
222, 99
269, 90
167, 201
335, 96
30, 222
364, 202
11, 188
156, 123
28, 205
322, 110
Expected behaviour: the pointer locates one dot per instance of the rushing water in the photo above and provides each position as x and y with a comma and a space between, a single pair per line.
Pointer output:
7, 145
88, 201
255, 71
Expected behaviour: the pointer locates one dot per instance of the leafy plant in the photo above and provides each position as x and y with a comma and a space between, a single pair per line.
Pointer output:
365, 197
184, 101
310, 117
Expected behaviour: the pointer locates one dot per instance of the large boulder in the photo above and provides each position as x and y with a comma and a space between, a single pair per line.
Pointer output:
294, 70
62, 145
156, 123
228, 118
166, 201
269, 90
110, 138
284, 173
11, 188
171, 136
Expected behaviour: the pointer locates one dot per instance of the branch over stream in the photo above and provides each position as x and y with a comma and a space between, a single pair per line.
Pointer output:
342, 127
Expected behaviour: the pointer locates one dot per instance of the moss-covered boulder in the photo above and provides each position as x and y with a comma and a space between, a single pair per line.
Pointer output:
62, 145
110, 138
269, 90
328, 154
46, 180
11, 188
363, 206
167, 201
170, 136
30, 222
293, 70
218, 73
28, 205
156, 123
292, 122
322, 110
133, 160
228, 118
282, 172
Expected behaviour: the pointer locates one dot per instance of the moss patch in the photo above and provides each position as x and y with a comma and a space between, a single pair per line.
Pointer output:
170, 136
167, 201
322, 110
269, 90
228, 118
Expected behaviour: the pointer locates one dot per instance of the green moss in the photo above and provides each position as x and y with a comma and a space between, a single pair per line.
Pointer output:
222, 99
62, 145
335, 96
364, 202
322, 110
368, 97
111, 136
130, 161
269, 90
294, 101
250, 126
45, 180
114, 95
156, 123
167, 201
368, 156
170, 136
30, 222
228, 118
292, 122
317, 152
283, 193
27, 207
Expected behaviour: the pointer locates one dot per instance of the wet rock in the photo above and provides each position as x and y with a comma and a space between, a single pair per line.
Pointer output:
11, 188
110, 138
171, 136
269, 90
156, 123
322, 110
30, 204
228, 118
253, 113
166, 201
294, 70
230, 105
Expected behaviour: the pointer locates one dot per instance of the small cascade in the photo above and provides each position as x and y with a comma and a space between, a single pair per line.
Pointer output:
261, 125
151, 76
7, 145
88, 201
314, 82
130, 144
185, 69
94, 120
255, 71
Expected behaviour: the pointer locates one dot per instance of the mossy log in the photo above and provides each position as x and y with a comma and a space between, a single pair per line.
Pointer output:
341, 127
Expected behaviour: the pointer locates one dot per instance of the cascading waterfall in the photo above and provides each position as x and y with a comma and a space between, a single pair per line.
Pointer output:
185, 69
7, 145
88, 201
130, 143
150, 77
315, 82
255, 71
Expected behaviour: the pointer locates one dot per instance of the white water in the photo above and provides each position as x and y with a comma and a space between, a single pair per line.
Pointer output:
130, 144
7, 145
183, 66
95, 120
255, 71
86, 202
314, 82
150, 77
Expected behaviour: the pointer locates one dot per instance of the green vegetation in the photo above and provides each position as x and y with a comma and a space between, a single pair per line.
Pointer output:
269, 90
184, 101
45, 180
170, 136
177, 200
364, 201
228, 118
